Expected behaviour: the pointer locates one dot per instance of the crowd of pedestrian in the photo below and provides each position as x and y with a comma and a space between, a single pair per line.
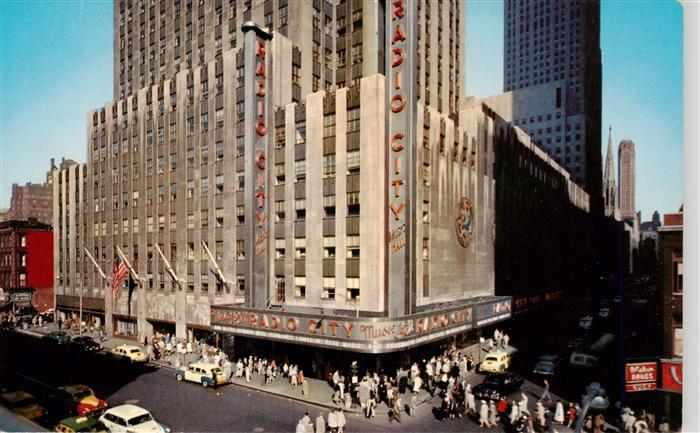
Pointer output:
336, 423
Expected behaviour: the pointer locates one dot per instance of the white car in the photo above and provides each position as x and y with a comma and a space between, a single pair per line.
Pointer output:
604, 313
202, 372
127, 351
586, 322
132, 419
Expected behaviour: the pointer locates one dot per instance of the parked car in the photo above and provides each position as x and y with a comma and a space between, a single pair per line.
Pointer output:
604, 313
546, 365
47, 316
499, 385
81, 424
129, 352
22, 403
58, 337
85, 344
201, 372
83, 398
133, 419
599, 400
496, 361
585, 322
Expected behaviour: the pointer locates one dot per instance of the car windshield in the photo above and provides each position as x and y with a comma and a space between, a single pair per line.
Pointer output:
216, 370
140, 419
135, 350
545, 364
82, 393
491, 358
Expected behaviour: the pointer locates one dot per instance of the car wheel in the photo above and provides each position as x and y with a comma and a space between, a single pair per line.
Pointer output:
178, 377
205, 383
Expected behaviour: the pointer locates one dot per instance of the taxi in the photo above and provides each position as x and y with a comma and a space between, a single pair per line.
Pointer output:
202, 372
130, 352
496, 361
81, 424
84, 398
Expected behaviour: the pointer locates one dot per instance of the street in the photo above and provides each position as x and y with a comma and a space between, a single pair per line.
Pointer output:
29, 363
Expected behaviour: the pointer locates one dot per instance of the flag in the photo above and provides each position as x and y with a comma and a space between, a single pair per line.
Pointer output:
132, 286
118, 275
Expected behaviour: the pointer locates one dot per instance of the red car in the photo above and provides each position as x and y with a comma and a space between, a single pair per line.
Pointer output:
84, 397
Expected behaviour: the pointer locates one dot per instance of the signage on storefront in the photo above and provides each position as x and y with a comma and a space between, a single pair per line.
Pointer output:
672, 375
491, 312
257, 65
362, 334
640, 376
401, 106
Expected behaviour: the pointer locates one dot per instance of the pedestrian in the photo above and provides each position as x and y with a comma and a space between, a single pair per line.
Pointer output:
559, 413
514, 413
599, 423
340, 416
522, 405
413, 405
641, 427
333, 421
470, 400
629, 424
470, 362
545, 393
60, 323
247, 373
396, 408
320, 424
484, 415
300, 428
492, 414
502, 408
572, 415
305, 387
539, 411
371, 405
505, 339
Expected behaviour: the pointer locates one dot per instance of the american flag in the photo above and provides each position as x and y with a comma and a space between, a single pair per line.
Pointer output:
118, 275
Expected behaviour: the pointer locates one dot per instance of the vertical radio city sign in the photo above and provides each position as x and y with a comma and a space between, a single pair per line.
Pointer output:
257, 65
401, 99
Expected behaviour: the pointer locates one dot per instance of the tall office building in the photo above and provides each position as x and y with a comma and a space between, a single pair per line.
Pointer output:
232, 166
626, 183
552, 76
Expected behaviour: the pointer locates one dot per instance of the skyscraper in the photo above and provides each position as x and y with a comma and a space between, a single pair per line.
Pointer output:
552, 69
610, 196
231, 168
626, 183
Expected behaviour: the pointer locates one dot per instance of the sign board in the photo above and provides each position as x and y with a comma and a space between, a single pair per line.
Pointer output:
494, 311
672, 375
401, 100
257, 121
640, 376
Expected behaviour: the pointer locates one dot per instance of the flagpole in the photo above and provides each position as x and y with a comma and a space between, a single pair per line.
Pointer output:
217, 268
108, 326
168, 267
128, 265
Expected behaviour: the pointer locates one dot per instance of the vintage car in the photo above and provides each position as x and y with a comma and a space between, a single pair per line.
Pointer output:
498, 385
81, 424
129, 352
85, 344
546, 365
132, 419
58, 337
496, 361
83, 398
22, 403
201, 372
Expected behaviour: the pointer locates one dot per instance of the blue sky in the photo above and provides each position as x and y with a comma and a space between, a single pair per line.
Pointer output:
56, 65
642, 47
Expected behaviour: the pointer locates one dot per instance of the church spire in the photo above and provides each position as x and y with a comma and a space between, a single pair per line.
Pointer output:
609, 180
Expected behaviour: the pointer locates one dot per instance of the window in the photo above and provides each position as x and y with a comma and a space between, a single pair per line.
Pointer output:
149, 224
353, 161
219, 215
161, 194
353, 289
161, 164
328, 288
190, 157
190, 126
328, 247
299, 248
219, 250
190, 221
353, 199
219, 150
279, 248
190, 251
279, 292
353, 245
300, 287
426, 212
204, 187
329, 206
220, 118
190, 188
316, 52
204, 218
426, 249
354, 119
240, 249
219, 183
357, 20
240, 283
296, 75
204, 155
173, 161
279, 138
329, 125
240, 110
279, 211
342, 54
426, 174
204, 122
300, 170
300, 209
300, 132
279, 174
173, 192
240, 180
240, 214
357, 53
240, 79
173, 222
161, 223
204, 280
329, 165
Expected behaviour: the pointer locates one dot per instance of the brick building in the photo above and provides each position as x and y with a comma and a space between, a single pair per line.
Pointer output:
26, 259
32, 200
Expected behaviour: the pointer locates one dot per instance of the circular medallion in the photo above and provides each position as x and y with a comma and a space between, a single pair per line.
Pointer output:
464, 222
